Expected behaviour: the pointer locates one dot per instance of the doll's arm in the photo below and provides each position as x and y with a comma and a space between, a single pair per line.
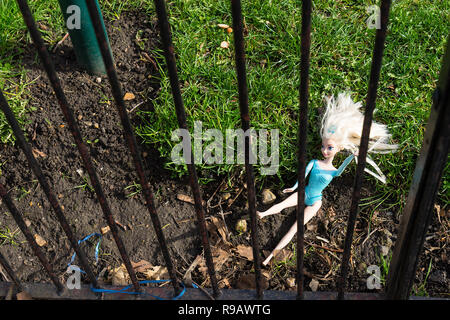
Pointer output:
307, 170
344, 165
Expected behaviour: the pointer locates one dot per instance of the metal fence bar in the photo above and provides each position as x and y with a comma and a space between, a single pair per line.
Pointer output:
73, 127
26, 232
131, 141
4, 263
368, 116
181, 116
422, 194
245, 121
302, 135
45, 186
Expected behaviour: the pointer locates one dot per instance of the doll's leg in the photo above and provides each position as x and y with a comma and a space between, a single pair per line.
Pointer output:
288, 202
310, 211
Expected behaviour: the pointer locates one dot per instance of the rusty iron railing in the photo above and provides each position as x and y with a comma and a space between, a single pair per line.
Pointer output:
415, 219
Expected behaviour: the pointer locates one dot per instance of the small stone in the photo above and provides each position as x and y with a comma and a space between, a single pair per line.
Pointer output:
105, 229
226, 196
80, 117
224, 44
384, 250
27, 222
314, 285
39, 240
268, 196
290, 282
241, 226
96, 126
98, 79
438, 276
88, 123
128, 96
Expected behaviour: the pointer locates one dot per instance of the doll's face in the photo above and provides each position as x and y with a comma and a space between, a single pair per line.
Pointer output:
329, 148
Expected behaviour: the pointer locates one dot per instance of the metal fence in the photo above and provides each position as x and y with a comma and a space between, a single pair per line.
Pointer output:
415, 218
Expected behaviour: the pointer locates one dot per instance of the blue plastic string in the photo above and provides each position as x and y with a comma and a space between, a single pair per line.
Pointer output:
123, 290
97, 247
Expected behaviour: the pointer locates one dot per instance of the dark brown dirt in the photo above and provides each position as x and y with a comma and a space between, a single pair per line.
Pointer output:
93, 105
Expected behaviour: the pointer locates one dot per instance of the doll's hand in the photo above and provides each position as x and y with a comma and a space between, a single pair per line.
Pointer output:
288, 190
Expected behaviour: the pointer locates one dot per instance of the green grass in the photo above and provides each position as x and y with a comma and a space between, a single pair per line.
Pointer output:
8, 236
420, 290
341, 53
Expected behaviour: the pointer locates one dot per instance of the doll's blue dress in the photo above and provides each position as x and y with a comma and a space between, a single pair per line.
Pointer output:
319, 179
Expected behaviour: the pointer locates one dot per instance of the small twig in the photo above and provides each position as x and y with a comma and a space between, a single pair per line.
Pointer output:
60, 42
121, 225
147, 57
203, 290
176, 223
325, 248
232, 201
337, 258
217, 189
4, 275
198, 286
132, 109
191, 268
223, 218
368, 236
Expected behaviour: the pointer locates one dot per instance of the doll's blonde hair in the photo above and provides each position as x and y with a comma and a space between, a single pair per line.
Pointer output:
343, 122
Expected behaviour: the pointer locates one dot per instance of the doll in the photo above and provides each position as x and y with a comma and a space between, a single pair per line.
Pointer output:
340, 130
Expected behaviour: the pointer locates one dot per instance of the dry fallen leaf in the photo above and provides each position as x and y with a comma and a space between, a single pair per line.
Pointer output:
37, 153
156, 273
141, 266
185, 198
247, 281
266, 274
245, 251
220, 225
223, 26
224, 283
105, 229
39, 240
120, 276
283, 255
128, 96
23, 296
219, 258
224, 44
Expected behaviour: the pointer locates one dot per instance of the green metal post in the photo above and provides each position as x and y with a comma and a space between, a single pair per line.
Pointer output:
82, 35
